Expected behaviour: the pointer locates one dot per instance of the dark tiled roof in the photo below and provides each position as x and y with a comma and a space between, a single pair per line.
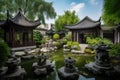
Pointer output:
85, 23
21, 20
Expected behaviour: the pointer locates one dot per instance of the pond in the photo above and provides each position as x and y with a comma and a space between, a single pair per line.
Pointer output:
58, 59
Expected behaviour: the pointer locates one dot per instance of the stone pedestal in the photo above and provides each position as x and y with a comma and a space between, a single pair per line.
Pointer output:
63, 75
96, 69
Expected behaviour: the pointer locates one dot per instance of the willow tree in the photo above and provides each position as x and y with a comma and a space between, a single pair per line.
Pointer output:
31, 8
65, 19
111, 12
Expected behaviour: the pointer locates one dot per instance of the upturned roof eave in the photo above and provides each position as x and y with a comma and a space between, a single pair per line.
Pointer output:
28, 26
89, 20
26, 23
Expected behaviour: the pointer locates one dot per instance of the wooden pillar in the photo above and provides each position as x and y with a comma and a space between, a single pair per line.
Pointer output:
4, 36
101, 33
72, 35
77, 37
115, 36
11, 37
32, 41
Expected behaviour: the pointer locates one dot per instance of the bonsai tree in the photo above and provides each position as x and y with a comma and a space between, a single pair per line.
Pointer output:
56, 36
4, 52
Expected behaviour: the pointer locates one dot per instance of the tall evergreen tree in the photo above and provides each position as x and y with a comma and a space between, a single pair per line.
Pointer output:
31, 8
65, 19
111, 12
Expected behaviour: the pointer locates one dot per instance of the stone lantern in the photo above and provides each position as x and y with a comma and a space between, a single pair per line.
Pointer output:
69, 71
102, 64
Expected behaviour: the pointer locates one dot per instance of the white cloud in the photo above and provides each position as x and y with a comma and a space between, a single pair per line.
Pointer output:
77, 7
93, 2
73, 3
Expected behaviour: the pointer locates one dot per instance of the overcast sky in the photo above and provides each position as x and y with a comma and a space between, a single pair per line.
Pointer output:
91, 8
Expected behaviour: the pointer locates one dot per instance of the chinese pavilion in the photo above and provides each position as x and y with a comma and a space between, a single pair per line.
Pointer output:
84, 27
18, 31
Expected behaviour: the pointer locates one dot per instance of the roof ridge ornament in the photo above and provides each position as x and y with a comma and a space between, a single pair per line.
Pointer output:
99, 19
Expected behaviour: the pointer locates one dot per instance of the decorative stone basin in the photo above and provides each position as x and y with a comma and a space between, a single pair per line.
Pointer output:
69, 71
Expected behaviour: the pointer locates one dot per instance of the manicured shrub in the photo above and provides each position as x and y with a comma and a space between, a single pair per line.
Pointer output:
89, 51
95, 41
64, 41
68, 37
4, 52
69, 43
56, 36
56, 43
76, 44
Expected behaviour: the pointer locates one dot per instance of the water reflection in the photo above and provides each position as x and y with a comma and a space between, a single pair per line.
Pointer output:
80, 78
84, 78
54, 76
